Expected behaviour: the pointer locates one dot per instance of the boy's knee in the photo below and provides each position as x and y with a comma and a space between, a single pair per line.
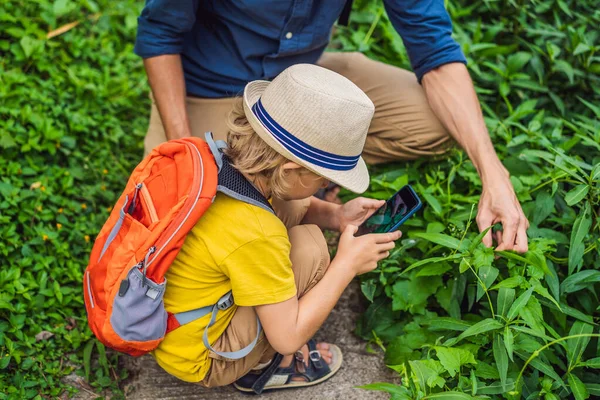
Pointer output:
309, 255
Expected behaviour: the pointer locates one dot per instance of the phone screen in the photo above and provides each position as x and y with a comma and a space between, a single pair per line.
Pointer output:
403, 203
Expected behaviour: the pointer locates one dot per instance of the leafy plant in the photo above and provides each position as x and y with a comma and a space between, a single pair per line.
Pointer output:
458, 320
73, 100
73, 112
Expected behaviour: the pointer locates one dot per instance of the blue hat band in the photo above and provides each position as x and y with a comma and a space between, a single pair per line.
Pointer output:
300, 149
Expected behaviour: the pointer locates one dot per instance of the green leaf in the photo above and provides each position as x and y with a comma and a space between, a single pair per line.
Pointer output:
398, 391
501, 358
570, 311
508, 341
552, 280
488, 276
531, 332
591, 363
581, 228
506, 296
512, 282
576, 194
576, 346
497, 387
579, 281
426, 261
447, 323
411, 295
566, 68
477, 239
30, 45
593, 388
473, 383
542, 291
520, 302
483, 326
428, 372
545, 369
434, 269
517, 61
452, 359
544, 204
578, 388
451, 395
532, 314
368, 288
439, 238
464, 265
482, 257
595, 174
87, 357
4, 361
433, 202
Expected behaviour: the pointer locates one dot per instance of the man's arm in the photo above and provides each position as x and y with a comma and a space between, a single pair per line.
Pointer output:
437, 60
168, 88
452, 97
161, 29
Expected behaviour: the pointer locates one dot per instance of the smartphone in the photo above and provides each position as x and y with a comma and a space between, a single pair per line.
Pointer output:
393, 213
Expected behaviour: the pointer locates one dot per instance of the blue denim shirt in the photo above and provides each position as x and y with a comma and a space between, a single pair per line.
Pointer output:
226, 44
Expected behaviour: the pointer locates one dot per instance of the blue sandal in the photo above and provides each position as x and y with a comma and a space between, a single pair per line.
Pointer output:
274, 377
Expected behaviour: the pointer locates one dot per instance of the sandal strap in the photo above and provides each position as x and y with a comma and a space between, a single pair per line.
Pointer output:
262, 380
316, 366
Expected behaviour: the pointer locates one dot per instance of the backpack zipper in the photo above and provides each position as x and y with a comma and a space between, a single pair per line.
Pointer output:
178, 223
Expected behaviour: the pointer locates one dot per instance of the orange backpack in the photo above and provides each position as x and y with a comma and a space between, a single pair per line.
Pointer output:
165, 196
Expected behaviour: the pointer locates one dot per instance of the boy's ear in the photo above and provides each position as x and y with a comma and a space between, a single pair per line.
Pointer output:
290, 165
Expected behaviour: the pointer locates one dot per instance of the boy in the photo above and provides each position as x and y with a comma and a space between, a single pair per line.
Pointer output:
285, 142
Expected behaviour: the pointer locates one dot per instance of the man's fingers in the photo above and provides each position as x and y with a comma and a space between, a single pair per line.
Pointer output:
498, 237
383, 255
509, 233
484, 222
521, 240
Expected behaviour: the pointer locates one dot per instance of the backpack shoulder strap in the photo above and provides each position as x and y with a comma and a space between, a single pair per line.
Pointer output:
231, 182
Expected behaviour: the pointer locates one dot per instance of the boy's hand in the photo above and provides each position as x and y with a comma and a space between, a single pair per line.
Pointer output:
361, 254
356, 211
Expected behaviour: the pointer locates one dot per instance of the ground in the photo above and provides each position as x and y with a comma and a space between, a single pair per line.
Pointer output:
148, 381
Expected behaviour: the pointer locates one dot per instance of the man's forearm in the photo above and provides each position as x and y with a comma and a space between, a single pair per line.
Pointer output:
452, 97
165, 75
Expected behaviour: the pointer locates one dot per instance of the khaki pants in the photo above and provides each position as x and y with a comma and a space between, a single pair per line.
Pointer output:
310, 259
403, 127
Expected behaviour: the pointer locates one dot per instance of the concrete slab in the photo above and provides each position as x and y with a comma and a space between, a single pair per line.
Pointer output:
149, 382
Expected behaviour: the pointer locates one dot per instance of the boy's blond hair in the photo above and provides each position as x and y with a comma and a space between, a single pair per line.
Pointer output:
249, 154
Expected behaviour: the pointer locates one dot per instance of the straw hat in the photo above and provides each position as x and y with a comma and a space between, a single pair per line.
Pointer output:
316, 118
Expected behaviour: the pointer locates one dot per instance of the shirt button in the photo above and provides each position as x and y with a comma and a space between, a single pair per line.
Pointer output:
289, 35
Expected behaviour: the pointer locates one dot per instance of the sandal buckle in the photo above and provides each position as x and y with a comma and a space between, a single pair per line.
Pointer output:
314, 356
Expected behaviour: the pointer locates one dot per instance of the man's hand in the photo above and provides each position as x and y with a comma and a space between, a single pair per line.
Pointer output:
498, 203
356, 211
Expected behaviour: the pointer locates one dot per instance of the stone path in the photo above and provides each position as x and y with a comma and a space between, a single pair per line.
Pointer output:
149, 382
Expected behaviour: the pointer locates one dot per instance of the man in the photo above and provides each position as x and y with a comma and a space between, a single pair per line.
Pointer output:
200, 54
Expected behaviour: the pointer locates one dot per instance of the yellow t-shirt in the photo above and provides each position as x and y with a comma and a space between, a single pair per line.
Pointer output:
235, 246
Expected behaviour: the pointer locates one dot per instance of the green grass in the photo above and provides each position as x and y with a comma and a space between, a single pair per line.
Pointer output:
73, 113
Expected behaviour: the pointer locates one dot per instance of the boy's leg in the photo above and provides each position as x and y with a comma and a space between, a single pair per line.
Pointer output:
204, 115
404, 127
310, 260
